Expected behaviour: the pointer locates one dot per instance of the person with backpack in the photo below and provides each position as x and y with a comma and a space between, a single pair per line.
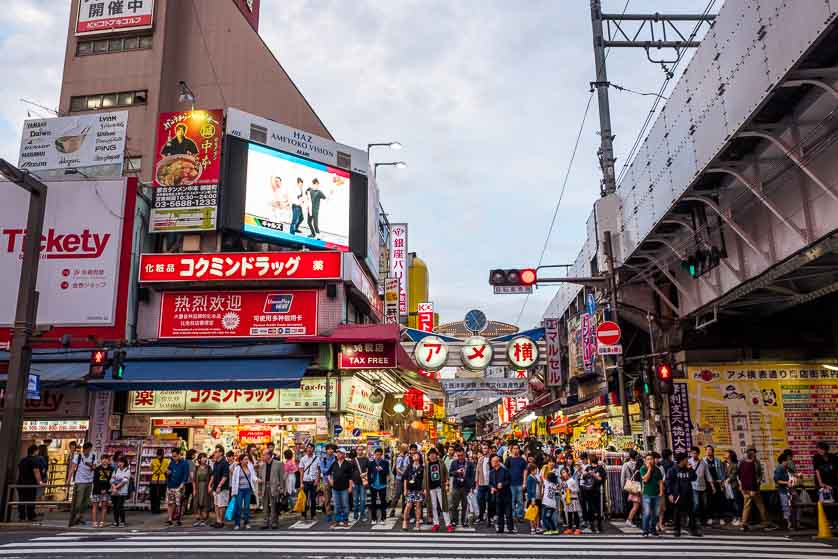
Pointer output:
310, 476
120, 486
81, 472
360, 482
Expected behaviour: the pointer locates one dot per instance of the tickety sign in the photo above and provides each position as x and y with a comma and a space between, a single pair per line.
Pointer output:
238, 266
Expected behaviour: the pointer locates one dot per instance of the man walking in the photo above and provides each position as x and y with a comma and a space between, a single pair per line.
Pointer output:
28, 473
360, 480
220, 485
715, 498
310, 468
500, 484
177, 477
652, 479
516, 467
378, 472
484, 494
751, 475
593, 479
436, 484
273, 487
325, 466
679, 492
402, 461
701, 485
340, 480
461, 473
81, 472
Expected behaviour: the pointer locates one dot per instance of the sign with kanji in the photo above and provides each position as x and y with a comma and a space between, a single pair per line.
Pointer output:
398, 262
608, 333
476, 353
240, 266
188, 148
391, 300
237, 314
522, 352
425, 317
251, 399
485, 388
431, 353
680, 424
553, 348
380, 355
104, 16
609, 349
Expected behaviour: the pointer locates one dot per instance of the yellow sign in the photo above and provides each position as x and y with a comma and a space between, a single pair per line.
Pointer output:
769, 406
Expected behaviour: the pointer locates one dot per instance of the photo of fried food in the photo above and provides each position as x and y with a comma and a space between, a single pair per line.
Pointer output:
178, 170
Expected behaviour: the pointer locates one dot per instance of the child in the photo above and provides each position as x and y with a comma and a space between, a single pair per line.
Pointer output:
100, 497
532, 494
549, 505
570, 499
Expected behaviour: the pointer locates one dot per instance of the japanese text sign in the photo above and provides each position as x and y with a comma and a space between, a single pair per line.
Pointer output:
188, 148
522, 352
680, 424
425, 317
476, 353
431, 353
101, 16
233, 266
238, 314
150, 401
399, 263
367, 356
553, 347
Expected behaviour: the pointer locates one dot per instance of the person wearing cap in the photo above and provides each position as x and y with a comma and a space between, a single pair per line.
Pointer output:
436, 488
340, 478
679, 492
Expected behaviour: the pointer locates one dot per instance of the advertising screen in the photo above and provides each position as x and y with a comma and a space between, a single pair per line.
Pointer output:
293, 199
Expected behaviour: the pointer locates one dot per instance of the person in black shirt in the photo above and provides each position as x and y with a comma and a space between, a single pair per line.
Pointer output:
180, 144
220, 485
340, 478
28, 473
315, 197
500, 484
826, 476
462, 475
679, 492
593, 478
414, 490
100, 499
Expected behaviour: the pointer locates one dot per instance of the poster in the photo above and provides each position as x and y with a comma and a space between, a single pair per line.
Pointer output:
311, 395
188, 148
770, 406
90, 145
553, 375
237, 314
184, 208
99, 16
399, 263
99, 433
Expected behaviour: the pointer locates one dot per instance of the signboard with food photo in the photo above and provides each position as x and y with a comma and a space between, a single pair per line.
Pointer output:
188, 148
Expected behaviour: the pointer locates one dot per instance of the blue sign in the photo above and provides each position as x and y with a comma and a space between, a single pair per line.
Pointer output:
278, 303
590, 304
337, 429
33, 388
356, 432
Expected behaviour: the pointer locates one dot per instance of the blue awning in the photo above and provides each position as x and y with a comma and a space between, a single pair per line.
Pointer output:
54, 373
188, 374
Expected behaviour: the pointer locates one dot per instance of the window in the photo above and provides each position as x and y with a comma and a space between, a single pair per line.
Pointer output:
105, 46
108, 100
133, 165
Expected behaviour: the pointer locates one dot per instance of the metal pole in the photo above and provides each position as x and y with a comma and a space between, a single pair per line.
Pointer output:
606, 150
20, 352
612, 287
328, 404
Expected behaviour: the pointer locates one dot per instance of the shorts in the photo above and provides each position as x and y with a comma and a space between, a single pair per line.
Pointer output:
101, 498
415, 497
174, 497
222, 498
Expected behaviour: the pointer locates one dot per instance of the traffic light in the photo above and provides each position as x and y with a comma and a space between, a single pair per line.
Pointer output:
514, 276
118, 365
664, 374
98, 363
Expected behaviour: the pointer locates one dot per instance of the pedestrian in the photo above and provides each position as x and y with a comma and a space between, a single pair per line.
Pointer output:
157, 484
28, 473
825, 464
100, 498
309, 466
715, 498
593, 479
585, 484
631, 499
325, 465
500, 482
436, 487
569, 493
785, 482
666, 464
203, 483
517, 467
732, 490
484, 466
81, 472
220, 485
751, 476
189, 488
378, 471
242, 485
340, 475
531, 487
461, 472
120, 482
42, 457
360, 480
292, 475
177, 478
549, 504
400, 465
651, 477
273, 489
679, 492
701, 485
414, 490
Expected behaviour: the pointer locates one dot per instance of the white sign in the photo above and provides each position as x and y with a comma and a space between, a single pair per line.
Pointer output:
513, 289
92, 144
398, 263
80, 249
391, 300
476, 353
554, 361
100, 16
486, 387
273, 134
609, 349
99, 434
355, 397
431, 353
522, 352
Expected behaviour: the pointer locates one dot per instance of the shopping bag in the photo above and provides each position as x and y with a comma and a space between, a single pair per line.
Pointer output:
473, 505
730, 494
632, 486
532, 513
805, 498
300, 506
231, 508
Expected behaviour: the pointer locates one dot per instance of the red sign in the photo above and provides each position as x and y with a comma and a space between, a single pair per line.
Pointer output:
100, 16
608, 333
188, 148
178, 422
425, 317
237, 314
367, 356
237, 266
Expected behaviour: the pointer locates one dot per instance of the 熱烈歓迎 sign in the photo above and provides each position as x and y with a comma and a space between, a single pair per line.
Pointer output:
239, 266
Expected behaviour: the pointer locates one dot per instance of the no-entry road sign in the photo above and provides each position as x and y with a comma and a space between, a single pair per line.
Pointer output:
608, 333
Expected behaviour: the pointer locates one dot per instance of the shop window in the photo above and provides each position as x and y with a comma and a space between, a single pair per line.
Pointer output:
107, 100
100, 46
131, 43
105, 46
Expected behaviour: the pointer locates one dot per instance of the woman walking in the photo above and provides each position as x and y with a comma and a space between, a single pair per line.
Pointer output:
733, 492
414, 490
201, 499
291, 479
243, 483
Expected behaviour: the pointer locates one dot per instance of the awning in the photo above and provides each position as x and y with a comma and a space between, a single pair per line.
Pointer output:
52, 372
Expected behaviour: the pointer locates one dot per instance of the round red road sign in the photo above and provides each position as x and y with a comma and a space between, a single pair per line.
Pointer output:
608, 333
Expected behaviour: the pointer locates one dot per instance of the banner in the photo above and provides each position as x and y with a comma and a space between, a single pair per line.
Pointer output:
237, 314
398, 264
311, 395
98, 16
680, 425
425, 317
367, 356
239, 266
355, 397
554, 361
91, 145
391, 300
485, 387
154, 401
184, 208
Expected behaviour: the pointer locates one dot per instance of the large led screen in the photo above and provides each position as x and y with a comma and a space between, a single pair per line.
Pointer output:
293, 199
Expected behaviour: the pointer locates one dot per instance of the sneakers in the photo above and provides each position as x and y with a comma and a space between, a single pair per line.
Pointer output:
435, 528
236, 528
577, 532
450, 528
629, 524
568, 532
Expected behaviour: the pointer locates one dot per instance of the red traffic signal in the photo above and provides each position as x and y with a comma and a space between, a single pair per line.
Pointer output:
513, 276
664, 372
98, 363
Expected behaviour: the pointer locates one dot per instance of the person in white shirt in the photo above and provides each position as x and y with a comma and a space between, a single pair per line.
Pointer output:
242, 485
120, 480
549, 506
81, 472
310, 468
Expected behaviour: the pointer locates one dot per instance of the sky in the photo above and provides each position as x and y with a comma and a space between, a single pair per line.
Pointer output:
487, 99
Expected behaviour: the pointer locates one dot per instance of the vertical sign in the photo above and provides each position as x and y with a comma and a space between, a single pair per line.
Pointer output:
391, 300
398, 263
425, 317
99, 435
554, 362
680, 425
589, 344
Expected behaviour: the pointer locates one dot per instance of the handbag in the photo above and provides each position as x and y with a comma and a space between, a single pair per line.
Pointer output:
633, 486
532, 513
730, 494
231, 508
473, 505
364, 481
300, 505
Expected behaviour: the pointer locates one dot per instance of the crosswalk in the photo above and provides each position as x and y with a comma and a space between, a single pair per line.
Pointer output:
408, 544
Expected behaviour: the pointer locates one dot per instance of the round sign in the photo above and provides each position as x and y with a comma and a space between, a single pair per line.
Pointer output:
475, 321
608, 333
431, 353
476, 353
337, 429
522, 352
356, 432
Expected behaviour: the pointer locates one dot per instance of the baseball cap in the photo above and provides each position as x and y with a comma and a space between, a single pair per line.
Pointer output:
342, 450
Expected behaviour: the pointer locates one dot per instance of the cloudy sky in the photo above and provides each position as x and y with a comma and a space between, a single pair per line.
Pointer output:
487, 99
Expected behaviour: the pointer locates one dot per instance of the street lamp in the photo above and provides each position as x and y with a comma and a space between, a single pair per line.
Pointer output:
397, 164
391, 145
186, 95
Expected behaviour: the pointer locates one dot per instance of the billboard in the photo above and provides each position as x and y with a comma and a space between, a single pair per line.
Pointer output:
85, 253
425, 317
91, 145
373, 254
294, 199
237, 314
398, 262
98, 16
240, 266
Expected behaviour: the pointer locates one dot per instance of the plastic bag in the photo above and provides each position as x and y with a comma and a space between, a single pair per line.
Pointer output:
532, 513
300, 505
730, 494
473, 505
231, 508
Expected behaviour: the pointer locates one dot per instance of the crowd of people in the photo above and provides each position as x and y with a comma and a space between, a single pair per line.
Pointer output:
540, 488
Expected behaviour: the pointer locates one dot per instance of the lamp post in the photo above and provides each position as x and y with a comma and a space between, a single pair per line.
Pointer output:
391, 145
397, 164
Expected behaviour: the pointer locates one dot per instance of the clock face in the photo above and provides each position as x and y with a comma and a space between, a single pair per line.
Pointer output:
476, 321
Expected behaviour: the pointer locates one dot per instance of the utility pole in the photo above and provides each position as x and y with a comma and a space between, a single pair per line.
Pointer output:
606, 138
20, 352
612, 288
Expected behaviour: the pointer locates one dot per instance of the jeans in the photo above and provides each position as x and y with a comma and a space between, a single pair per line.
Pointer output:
242, 511
483, 496
378, 503
359, 502
398, 492
118, 508
296, 218
650, 514
789, 510
548, 519
699, 508
503, 511
517, 501
310, 489
341, 500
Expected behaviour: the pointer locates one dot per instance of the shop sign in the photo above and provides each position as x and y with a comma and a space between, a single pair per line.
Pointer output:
582, 344
425, 317
680, 424
513, 406
89, 144
70, 402
184, 208
247, 399
484, 387
476, 353
391, 300
255, 436
431, 353
99, 16
398, 263
367, 356
553, 347
178, 422
522, 352
136, 425
237, 314
99, 433
355, 397
240, 266
56, 426
149, 401
311, 395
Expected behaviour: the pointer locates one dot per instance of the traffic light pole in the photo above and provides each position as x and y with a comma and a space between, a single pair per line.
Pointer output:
20, 352
612, 288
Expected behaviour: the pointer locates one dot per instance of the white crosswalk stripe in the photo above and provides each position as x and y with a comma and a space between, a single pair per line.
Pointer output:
316, 543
